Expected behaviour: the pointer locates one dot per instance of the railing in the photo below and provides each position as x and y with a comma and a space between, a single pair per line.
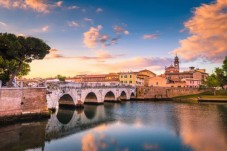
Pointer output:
55, 85
25, 85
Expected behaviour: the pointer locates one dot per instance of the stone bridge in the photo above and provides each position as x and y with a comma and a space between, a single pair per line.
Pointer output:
77, 94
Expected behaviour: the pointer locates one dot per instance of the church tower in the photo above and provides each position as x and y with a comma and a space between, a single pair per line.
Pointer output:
176, 63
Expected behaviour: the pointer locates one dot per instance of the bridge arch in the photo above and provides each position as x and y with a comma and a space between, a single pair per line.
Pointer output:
132, 96
109, 96
123, 95
66, 100
90, 98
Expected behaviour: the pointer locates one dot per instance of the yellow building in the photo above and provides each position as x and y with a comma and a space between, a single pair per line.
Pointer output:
131, 78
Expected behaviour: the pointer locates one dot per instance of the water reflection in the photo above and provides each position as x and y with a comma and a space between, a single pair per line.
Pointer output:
23, 136
127, 126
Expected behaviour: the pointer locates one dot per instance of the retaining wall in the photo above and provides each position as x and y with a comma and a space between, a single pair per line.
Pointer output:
22, 102
164, 92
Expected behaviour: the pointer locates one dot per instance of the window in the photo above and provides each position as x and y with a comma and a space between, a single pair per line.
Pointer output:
156, 83
130, 76
125, 76
130, 81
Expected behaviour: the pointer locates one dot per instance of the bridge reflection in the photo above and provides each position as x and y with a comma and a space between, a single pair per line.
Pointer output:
69, 121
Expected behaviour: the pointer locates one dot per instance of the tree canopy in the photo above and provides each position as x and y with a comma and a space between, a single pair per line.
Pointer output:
18, 51
61, 78
219, 77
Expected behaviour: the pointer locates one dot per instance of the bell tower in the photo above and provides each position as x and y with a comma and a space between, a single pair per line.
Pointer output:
176, 63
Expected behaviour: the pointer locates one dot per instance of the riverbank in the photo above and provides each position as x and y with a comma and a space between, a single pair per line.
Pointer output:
203, 97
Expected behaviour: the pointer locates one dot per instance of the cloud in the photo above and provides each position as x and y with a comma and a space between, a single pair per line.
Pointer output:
73, 24
36, 5
150, 36
73, 7
98, 10
92, 36
152, 63
88, 20
2, 23
119, 30
100, 56
208, 33
45, 28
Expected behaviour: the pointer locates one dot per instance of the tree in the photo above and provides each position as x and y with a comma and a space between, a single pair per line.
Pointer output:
8, 67
219, 77
22, 50
224, 67
212, 81
61, 78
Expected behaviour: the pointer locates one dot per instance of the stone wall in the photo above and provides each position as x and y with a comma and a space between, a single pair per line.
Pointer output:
164, 92
16, 102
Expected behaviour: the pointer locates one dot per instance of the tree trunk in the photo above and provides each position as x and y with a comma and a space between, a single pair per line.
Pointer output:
13, 75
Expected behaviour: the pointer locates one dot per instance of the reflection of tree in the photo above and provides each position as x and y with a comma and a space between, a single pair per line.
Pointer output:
222, 109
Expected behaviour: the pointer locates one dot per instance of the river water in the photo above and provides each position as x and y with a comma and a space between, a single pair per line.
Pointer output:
127, 126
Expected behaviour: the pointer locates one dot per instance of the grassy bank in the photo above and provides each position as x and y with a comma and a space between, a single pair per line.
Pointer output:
220, 94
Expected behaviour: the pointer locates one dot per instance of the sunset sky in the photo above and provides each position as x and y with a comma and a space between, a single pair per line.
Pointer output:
102, 36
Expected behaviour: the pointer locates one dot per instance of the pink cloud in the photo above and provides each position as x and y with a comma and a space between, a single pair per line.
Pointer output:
119, 30
150, 36
37, 5
73, 24
208, 33
88, 20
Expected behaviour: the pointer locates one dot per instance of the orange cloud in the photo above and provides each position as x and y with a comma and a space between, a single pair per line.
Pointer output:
138, 63
37, 5
208, 33
91, 36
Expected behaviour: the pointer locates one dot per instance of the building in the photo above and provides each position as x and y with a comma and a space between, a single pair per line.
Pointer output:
131, 78
174, 76
146, 75
173, 68
96, 78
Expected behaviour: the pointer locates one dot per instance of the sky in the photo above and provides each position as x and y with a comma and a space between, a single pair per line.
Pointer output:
102, 36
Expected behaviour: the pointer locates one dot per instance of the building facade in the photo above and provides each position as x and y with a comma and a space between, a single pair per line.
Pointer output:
193, 77
131, 78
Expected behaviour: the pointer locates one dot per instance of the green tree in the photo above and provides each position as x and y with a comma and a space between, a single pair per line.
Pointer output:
219, 77
61, 78
212, 81
21, 49
8, 67
224, 68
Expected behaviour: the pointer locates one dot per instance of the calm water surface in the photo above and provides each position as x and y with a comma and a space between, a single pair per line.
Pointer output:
129, 126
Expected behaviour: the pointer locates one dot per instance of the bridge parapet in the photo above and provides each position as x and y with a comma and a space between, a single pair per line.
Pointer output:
87, 92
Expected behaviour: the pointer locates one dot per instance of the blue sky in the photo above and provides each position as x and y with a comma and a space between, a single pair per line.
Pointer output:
101, 36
